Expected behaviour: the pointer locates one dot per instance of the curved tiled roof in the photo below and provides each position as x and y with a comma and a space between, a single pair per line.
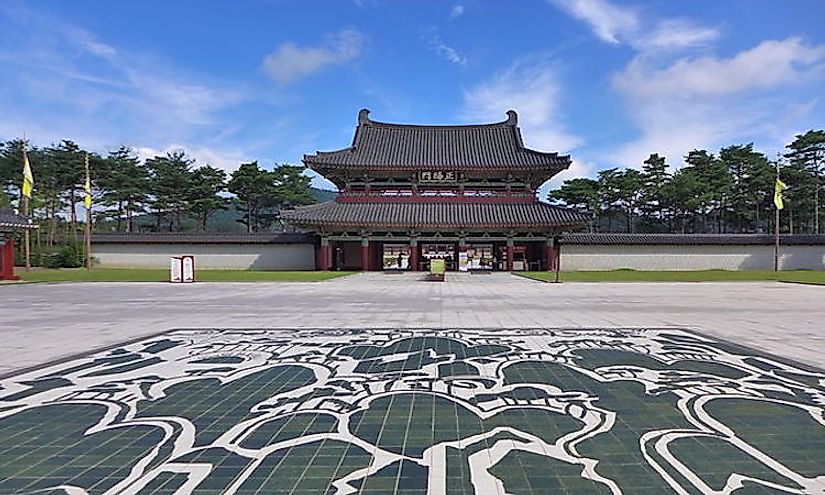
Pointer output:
190, 238
424, 215
614, 239
379, 145
11, 220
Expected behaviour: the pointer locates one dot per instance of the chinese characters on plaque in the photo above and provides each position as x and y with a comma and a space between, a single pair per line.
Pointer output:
437, 176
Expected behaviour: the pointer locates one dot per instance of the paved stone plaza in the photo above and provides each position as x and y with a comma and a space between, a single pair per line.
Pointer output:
425, 411
381, 383
42, 322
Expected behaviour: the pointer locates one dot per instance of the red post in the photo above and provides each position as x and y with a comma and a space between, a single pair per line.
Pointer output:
414, 256
7, 260
365, 254
510, 254
325, 255
549, 258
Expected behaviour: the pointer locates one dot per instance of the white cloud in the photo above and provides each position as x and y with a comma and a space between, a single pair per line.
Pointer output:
531, 90
675, 34
63, 82
707, 102
680, 101
614, 24
609, 22
767, 65
457, 11
290, 62
224, 159
447, 52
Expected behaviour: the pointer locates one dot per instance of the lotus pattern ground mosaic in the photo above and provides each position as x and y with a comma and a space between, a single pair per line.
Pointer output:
278, 411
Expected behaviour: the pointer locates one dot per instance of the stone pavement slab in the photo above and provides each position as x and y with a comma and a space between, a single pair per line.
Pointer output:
415, 411
43, 322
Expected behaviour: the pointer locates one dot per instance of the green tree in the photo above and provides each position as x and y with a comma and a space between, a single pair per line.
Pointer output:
291, 186
124, 181
609, 181
799, 196
204, 199
687, 197
653, 202
11, 167
751, 183
251, 185
808, 151
580, 193
169, 178
68, 175
715, 183
630, 184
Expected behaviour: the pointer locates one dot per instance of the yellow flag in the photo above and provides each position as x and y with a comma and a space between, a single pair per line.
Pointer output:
87, 199
28, 178
777, 194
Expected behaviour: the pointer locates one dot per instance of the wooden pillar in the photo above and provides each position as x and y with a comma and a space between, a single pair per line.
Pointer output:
414, 255
365, 254
557, 256
325, 255
7, 259
549, 255
510, 253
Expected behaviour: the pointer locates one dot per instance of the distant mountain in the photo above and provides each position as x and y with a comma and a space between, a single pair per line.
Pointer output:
223, 221
322, 195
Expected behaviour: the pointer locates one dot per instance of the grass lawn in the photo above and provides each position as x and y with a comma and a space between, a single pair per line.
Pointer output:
151, 275
808, 276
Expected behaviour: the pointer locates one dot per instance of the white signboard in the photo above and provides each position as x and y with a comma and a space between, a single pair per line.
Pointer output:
188, 269
463, 264
437, 177
182, 269
175, 270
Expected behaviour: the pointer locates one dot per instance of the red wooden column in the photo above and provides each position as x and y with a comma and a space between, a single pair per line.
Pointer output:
549, 257
365, 254
414, 255
510, 253
325, 255
557, 257
7, 259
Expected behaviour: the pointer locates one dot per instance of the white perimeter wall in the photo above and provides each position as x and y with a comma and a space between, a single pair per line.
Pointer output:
581, 257
573, 257
208, 256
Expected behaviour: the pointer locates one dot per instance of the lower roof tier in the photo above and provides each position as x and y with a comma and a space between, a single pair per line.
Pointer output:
435, 215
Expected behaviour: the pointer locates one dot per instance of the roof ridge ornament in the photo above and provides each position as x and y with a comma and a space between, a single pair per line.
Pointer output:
364, 116
512, 117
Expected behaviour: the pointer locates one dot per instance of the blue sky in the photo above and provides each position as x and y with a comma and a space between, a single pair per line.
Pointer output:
607, 81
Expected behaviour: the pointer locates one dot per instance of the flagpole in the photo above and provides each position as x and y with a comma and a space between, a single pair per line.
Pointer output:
24, 206
88, 230
776, 226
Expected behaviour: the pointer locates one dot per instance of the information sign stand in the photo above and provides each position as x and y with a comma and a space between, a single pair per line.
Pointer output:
182, 269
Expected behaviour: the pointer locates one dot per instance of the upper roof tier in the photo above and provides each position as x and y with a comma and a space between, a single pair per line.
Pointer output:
382, 146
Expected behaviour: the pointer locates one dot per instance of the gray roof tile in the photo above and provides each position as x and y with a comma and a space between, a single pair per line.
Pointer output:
424, 215
688, 239
187, 238
11, 220
379, 145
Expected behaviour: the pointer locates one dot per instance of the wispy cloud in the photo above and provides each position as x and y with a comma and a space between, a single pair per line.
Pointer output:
532, 89
457, 11
290, 62
767, 65
681, 97
64, 82
616, 24
445, 51
710, 101
609, 22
